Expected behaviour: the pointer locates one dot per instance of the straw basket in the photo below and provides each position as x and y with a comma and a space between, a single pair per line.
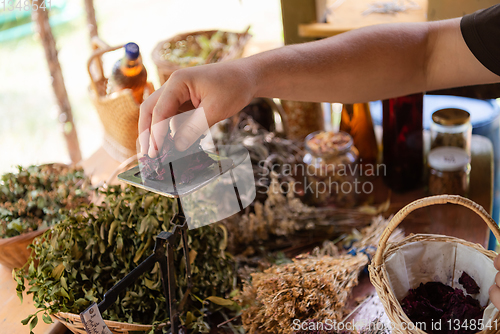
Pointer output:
74, 324
166, 68
119, 112
14, 251
422, 258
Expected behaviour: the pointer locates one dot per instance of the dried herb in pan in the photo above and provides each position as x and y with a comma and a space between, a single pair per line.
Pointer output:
194, 160
36, 196
92, 249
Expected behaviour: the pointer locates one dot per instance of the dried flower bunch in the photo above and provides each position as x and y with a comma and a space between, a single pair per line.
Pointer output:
309, 288
90, 250
313, 286
283, 215
268, 152
33, 197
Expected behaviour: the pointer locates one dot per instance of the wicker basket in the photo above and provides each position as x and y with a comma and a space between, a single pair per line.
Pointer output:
74, 324
382, 272
166, 68
14, 251
119, 112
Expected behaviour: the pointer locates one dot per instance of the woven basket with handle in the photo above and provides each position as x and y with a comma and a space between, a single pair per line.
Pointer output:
119, 112
166, 68
380, 272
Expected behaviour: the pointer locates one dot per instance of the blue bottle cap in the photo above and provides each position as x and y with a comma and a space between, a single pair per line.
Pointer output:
132, 51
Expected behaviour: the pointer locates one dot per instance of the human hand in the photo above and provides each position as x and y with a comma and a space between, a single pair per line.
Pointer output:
495, 288
217, 90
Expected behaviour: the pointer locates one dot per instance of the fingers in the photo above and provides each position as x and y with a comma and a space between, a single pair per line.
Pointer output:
174, 94
497, 263
191, 129
145, 117
495, 295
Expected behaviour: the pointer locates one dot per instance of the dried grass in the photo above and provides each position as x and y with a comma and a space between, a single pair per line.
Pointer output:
314, 286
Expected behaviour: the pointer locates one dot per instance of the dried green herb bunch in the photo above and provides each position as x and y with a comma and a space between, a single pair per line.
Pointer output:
33, 197
92, 249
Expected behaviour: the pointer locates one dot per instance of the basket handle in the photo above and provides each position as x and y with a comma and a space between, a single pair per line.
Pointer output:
428, 201
100, 49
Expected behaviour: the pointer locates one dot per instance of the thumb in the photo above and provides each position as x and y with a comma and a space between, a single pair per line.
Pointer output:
191, 130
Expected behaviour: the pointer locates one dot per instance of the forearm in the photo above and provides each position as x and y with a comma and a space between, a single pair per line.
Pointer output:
368, 64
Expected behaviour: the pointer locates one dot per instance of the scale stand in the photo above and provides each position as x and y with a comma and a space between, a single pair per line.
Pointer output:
163, 254
166, 241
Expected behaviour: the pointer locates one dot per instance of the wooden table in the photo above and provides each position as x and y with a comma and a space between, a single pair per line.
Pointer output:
448, 219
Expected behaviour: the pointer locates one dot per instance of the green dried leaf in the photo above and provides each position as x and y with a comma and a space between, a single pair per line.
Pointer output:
47, 319
33, 322
27, 320
220, 301
57, 271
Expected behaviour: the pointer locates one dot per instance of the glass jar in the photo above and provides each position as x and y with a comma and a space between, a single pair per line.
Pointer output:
449, 171
331, 169
451, 127
302, 118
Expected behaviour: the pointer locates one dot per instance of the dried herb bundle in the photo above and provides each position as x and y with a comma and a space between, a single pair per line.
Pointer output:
92, 249
309, 288
284, 215
33, 197
314, 287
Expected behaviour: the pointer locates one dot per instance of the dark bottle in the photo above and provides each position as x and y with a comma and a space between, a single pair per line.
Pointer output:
403, 142
356, 120
129, 73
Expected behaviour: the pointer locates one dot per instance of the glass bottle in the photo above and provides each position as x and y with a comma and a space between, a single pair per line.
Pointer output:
356, 120
403, 141
130, 73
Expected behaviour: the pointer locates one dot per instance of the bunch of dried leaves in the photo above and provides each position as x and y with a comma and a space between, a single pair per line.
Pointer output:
36, 197
90, 250
313, 287
283, 215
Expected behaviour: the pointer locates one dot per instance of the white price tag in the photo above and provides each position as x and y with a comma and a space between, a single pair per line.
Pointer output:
93, 322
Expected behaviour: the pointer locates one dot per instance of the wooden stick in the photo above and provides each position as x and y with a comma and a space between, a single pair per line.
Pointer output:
41, 18
91, 20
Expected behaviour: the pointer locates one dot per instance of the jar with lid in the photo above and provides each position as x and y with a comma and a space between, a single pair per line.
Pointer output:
330, 169
451, 127
449, 171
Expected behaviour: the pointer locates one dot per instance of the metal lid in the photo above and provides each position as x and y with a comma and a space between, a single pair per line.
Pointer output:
448, 158
451, 116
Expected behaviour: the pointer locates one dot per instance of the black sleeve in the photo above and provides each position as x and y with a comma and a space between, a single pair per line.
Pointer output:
481, 32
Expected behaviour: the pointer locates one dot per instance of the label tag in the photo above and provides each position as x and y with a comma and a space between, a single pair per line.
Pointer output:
93, 322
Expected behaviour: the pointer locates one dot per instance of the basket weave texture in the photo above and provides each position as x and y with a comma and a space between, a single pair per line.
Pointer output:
14, 251
74, 324
119, 112
166, 68
378, 273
